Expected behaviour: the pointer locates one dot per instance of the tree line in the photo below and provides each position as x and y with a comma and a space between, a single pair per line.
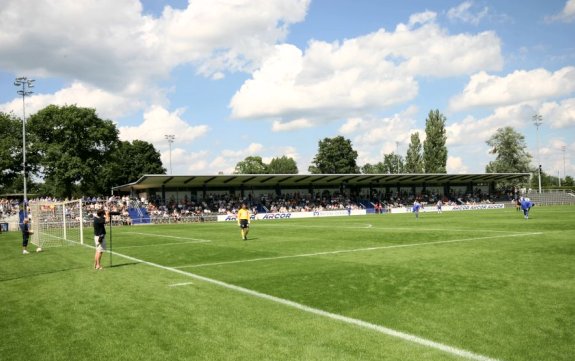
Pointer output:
70, 151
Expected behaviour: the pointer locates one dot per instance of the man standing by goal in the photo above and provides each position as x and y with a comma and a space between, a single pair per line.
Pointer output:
244, 221
26, 232
100, 219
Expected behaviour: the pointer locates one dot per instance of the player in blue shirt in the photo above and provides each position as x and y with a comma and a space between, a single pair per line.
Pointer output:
526, 205
415, 209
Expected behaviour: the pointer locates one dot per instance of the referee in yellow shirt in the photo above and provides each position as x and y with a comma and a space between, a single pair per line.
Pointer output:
244, 221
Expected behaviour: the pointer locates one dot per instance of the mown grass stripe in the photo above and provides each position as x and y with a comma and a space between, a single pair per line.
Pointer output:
352, 321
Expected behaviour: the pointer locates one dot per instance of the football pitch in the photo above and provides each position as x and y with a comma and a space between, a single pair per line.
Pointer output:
475, 285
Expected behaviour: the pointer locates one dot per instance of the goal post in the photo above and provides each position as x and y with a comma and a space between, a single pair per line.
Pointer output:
57, 223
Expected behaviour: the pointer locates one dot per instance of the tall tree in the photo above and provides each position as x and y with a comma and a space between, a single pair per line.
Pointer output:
10, 152
377, 168
392, 163
251, 165
282, 165
510, 151
73, 144
335, 156
434, 149
129, 161
414, 158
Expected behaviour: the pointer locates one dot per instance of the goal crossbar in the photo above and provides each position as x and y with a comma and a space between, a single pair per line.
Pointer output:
57, 223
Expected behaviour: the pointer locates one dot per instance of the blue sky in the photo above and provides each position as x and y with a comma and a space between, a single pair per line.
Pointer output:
234, 78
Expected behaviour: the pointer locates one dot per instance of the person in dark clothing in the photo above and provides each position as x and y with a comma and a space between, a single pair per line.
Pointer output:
102, 217
26, 232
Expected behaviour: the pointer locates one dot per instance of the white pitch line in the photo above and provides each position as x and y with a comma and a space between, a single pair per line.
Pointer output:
352, 321
181, 284
356, 250
166, 236
384, 227
162, 244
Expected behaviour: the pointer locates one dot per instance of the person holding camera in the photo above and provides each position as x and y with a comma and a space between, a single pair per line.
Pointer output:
100, 219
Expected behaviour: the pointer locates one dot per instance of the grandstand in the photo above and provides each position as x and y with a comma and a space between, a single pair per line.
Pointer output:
552, 197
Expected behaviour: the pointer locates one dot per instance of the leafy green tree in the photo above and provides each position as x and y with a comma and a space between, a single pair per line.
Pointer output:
10, 152
568, 181
251, 165
414, 158
392, 163
510, 151
434, 149
72, 144
546, 180
377, 168
335, 156
129, 161
282, 165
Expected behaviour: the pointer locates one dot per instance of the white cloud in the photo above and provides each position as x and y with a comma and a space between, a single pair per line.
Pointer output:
373, 137
463, 13
456, 165
332, 81
159, 122
474, 132
295, 124
559, 115
567, 15
107, 104
111, 44
228, 158
520, 86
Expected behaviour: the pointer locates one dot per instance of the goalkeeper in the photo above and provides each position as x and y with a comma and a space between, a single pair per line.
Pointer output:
100, 219
244, 221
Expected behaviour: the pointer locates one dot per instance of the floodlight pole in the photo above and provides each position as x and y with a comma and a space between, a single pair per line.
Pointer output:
538, 120
563, 149
170, 138
397, 154
26, 84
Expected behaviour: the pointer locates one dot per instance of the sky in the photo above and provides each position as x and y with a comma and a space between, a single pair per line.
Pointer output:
237, 78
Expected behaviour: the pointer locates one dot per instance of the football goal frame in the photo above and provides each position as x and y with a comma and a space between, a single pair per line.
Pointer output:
57, 223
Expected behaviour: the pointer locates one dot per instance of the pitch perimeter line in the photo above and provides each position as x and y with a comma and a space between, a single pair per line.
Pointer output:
356, 250
352, 321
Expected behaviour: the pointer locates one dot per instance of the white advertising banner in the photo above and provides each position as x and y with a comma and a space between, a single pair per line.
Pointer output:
358, 212
290, 215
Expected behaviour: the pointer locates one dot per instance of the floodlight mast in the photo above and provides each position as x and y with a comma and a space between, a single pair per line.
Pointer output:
170, 138
26, 85
563, 149
538, 120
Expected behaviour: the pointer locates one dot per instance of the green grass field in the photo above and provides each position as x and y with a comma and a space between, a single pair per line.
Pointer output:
483, 285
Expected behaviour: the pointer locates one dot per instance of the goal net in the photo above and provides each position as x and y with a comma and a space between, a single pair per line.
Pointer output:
56, 223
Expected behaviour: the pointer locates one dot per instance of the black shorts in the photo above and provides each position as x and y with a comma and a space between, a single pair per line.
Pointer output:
244, 223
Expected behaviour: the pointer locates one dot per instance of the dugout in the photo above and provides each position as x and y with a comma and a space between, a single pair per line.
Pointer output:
198, 187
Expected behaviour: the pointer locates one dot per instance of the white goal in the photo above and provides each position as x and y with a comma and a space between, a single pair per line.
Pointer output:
56, 223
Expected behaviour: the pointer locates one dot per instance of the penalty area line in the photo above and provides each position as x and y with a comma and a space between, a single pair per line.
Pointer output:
348, 320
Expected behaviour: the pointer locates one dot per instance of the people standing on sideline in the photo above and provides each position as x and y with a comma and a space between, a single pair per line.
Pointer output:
526, 205
415, 209
102, 217
26, 232
439, 205
244, 221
